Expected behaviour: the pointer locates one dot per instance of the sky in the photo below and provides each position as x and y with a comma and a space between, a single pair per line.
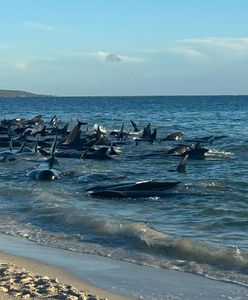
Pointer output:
124, 47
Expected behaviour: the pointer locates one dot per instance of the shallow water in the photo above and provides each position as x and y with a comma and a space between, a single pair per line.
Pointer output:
200, 227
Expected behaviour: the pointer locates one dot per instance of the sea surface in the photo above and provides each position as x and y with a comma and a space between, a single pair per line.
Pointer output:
201, 226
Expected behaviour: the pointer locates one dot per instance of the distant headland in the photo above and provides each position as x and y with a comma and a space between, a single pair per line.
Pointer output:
16, 93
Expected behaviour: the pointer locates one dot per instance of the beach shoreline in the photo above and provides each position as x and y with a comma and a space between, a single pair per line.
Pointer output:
21, 275
113, 279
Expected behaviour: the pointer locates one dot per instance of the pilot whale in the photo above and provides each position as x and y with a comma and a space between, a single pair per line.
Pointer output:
100, 154
46, 170
10, 154
133, 189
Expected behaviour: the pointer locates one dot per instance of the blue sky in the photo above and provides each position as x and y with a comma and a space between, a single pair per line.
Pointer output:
124, 47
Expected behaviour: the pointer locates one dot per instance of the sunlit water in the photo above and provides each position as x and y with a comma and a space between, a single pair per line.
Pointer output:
199, 227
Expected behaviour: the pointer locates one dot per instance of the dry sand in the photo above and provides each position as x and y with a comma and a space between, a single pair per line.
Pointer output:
24, 278
117, 277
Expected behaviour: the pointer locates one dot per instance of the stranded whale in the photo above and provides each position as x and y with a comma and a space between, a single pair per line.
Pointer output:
46, 170
133, 189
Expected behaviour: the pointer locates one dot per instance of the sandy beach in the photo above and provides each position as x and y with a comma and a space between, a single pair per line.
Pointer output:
95, 277
25, 278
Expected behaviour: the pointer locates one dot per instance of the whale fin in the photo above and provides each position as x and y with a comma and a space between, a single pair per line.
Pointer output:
11, 145
80, 123
75, 133
112, 151
65, 128
121, 134
135, 127
122, 127
147, 132
20, 150
52, 160
127, 135
197, 145
182, 165
35, 149
83, 154
54, 121
154, 135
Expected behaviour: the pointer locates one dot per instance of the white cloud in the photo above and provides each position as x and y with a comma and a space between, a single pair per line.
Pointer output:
20, 65
205, 49
110, 56
184, 51
188, 53
131, 59
235, 47
103, 56
230, 43
39, 26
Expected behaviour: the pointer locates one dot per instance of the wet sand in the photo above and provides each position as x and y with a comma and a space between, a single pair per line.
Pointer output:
99, 277
25, 278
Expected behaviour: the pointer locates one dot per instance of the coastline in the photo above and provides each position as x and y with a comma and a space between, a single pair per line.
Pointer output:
49, 277
113, 279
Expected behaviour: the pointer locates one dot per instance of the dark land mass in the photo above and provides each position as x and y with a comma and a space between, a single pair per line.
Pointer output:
16, 93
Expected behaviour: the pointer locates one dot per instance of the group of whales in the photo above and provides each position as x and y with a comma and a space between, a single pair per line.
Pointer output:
50, 140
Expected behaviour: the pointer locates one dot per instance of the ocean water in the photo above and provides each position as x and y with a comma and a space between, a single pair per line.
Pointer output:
199, 227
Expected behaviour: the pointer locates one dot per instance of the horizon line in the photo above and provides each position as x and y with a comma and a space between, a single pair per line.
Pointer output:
151, 95
116, 96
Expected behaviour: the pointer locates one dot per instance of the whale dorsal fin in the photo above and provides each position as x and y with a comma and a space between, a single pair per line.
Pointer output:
11, 145
35, 150
136, 129
154, 134
147, 132
52, 159
20, 149
182, 165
